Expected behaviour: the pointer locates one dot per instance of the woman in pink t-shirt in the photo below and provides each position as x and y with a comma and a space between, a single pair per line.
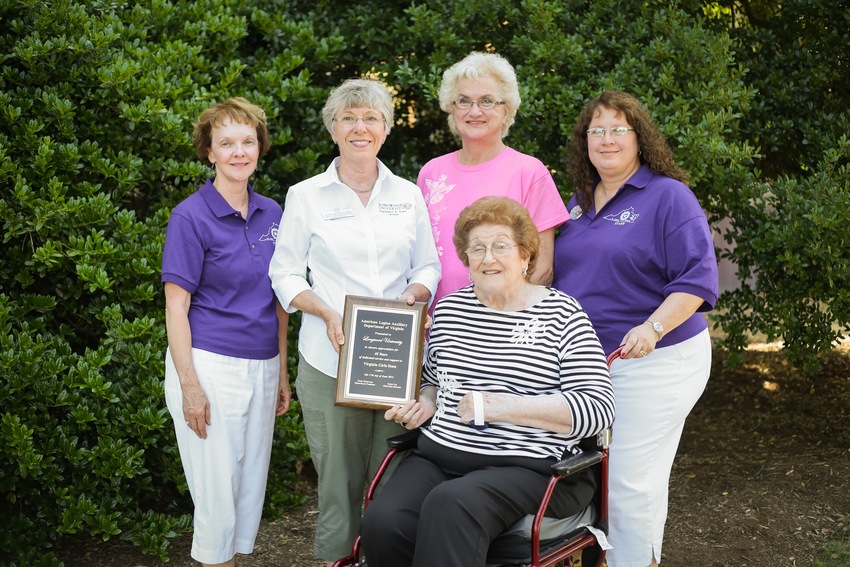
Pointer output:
481, 97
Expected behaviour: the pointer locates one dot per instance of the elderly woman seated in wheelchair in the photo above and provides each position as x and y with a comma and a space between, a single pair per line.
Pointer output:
514, 378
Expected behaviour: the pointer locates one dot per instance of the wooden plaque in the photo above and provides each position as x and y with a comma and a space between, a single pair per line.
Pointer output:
380, 363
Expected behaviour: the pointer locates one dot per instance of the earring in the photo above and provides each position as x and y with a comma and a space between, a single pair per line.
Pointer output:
470, 277
524, 272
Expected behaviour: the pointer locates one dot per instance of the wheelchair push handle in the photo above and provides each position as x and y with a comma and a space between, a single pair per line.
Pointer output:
614, 355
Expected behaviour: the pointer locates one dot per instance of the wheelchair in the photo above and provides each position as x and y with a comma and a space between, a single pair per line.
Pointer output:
535, 540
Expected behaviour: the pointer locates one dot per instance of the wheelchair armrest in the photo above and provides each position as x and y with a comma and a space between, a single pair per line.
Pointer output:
576, 463
404, 441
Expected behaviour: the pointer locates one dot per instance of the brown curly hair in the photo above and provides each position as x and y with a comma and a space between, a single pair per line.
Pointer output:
654, 150
502, 211
236, 109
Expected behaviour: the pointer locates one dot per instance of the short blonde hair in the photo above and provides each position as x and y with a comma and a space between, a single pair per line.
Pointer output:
353, 93
501, 211
479, 65
236, 109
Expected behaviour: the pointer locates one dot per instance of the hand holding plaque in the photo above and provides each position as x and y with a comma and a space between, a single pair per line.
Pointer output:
380, 363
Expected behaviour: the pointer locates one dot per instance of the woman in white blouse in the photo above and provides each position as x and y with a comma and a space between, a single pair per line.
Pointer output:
356, 229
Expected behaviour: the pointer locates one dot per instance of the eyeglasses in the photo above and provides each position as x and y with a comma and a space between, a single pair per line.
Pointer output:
497, 249
618, 131
351, 119
464, 103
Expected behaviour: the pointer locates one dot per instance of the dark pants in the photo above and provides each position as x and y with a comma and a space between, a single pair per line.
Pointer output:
444, 507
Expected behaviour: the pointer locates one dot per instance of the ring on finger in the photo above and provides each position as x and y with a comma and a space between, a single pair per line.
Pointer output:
404, 424
642, 352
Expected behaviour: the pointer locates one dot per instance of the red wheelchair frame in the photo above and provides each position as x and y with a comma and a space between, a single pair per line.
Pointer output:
559, 551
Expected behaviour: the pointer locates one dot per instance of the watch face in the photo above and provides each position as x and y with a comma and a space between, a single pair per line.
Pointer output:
658, 328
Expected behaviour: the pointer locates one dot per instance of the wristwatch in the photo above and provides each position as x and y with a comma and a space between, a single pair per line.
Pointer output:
657, 327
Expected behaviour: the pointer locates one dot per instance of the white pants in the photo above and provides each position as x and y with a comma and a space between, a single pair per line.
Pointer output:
654, 396
227, 471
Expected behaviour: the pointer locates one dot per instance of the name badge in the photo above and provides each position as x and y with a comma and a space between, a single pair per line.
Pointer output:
337, 214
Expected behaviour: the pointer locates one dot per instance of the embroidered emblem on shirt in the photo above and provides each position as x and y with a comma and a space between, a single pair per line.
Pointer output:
447, 385
623, 217
271, 235
394, 208
527, 333
437, 189
575, 213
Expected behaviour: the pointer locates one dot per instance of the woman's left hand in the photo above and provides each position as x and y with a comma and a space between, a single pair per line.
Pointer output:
284, 393
639, 342
412, 414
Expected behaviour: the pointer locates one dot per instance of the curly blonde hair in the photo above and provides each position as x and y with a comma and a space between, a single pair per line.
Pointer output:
478, 65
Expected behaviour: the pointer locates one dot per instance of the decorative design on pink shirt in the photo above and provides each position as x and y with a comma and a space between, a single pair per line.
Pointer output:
437, 189
623, 217
527, 333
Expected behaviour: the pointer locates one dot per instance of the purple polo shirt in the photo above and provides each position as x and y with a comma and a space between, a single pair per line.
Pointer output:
223, 261
650, 240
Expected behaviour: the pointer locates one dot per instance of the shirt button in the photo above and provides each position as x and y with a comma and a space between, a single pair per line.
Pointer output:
253, 246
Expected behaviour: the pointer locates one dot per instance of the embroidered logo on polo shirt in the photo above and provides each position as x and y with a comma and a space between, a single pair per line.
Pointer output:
626, 216
271, 235
394, 208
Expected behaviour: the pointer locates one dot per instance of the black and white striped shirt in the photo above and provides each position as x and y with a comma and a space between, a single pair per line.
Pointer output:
550, 347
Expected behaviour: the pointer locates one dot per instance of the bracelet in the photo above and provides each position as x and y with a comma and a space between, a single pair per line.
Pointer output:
478, 412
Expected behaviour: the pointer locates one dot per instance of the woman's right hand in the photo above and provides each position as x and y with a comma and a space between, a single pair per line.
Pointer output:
196, 409
334, 328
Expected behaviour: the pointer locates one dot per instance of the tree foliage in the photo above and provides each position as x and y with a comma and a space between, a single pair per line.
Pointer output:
96, 103
97, 100
789, 236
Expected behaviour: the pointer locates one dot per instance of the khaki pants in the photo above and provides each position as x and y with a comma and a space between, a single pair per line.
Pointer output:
346, 446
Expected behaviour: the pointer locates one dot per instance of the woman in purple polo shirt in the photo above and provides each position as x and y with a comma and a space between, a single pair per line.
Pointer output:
225, 374
638, 255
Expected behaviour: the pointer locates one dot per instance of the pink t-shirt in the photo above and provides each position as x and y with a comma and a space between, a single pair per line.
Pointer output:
449, 187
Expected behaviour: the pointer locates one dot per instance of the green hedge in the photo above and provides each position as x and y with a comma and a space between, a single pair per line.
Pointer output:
97, 100
96, 104
793, 253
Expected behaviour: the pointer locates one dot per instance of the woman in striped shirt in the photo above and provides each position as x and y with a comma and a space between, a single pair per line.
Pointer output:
514, 378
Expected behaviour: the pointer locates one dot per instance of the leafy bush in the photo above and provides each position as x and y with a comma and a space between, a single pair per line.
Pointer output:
793, 252
96, 103
789, 231
97, 100
565, 53
796, 56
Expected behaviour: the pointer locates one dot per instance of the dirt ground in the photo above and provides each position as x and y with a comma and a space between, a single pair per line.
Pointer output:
762, 478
